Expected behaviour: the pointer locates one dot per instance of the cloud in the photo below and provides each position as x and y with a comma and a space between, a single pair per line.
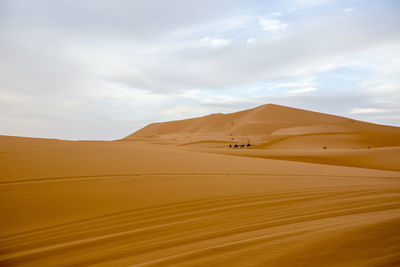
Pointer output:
110, 67
300, 4
306, 82
367, 110
273, 25
251, 40
299, 91
318, 47
214, 42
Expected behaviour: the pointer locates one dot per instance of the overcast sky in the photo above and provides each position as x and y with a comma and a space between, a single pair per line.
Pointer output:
101, 69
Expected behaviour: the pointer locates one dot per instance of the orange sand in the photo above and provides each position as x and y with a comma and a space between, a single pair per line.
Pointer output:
173, 194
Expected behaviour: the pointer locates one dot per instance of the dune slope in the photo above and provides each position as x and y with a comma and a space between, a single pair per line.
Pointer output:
260, 121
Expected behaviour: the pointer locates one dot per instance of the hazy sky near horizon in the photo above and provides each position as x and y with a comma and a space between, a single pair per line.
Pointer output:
101, 69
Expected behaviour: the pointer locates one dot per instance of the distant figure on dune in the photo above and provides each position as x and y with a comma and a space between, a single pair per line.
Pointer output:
248, 145
230, 145
236, 146
242, 146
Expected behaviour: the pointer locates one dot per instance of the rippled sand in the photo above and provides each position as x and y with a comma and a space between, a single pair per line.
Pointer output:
118, 204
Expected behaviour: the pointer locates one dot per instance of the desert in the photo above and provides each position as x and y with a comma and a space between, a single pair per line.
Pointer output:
206, 133
175, 194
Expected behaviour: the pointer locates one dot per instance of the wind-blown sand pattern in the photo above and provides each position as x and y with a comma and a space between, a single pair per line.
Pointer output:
174, 194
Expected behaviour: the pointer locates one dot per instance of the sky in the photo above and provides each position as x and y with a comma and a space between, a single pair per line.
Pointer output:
102, 69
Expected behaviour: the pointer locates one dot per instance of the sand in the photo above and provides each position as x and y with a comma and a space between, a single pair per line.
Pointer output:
179, 197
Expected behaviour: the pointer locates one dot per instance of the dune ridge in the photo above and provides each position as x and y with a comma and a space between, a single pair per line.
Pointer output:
265, 119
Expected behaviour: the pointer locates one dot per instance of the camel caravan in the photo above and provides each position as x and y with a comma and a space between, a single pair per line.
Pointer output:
241, 146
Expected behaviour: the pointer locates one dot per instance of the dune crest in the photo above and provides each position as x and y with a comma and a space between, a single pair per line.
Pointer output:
262, 120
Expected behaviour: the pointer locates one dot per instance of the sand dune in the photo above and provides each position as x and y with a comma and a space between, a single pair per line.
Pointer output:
173, 194
263, 120
273, 128
335, 140
375, 158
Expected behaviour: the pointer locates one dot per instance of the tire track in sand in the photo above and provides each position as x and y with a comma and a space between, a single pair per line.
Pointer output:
203, 231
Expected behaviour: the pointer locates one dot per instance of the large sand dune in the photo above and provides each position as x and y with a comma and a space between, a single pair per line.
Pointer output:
173, 194
267, 119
